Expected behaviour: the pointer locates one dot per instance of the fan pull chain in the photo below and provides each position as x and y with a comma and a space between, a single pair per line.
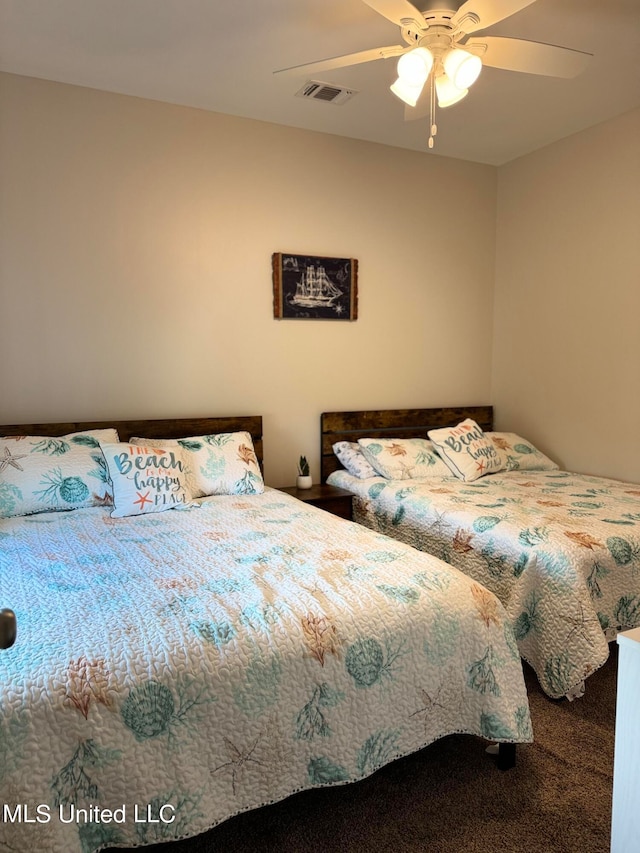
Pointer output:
432, 109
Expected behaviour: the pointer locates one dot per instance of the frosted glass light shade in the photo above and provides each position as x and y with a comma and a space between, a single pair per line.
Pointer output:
447, 93
414, 67
406, 92
462, 68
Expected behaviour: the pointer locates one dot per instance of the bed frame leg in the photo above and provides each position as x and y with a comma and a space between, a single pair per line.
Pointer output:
506, 756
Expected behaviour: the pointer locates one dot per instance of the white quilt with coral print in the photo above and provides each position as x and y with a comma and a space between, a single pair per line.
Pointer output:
176, 669
560, 550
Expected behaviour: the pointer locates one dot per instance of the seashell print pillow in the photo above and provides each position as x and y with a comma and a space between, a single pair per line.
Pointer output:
44, 474
519, 454
146, 479
351, 456
403, 458
222, 464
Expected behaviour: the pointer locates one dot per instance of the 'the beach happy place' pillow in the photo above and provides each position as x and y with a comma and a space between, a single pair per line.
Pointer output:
146, 479
519, 454
47, 473
403, 458
467, 451
222, 464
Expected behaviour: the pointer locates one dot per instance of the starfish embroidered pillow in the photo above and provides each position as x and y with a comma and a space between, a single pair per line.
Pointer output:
48, 473
467, 451
403, 458
146, 479
222, 464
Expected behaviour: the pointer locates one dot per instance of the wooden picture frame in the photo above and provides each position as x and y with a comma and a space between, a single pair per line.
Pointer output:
311, 287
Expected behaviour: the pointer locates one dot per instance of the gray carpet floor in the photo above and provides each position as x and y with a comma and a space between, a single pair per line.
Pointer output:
451, 797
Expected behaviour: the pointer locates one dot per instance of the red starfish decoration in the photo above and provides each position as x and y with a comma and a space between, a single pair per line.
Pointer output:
480, 465
143, 499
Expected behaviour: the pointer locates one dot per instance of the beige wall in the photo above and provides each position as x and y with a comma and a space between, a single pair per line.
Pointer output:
135, 268
567, 299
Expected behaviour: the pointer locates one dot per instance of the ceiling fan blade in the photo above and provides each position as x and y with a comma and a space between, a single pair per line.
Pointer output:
342, 61
531, 57
477, 15
399, 12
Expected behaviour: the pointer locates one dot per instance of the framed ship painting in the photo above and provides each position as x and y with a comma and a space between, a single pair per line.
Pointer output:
314, 288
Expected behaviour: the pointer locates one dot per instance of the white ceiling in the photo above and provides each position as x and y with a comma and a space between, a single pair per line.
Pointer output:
220, 54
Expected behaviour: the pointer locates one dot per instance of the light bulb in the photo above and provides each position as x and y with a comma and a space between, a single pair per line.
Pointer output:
447, 93
407, 92
414, 67
462, 68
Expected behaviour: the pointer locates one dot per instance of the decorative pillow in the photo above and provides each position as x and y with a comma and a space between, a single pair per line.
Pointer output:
223, 464
519, 454
351, 456
146, 479
467, 451
403, 458
42, 474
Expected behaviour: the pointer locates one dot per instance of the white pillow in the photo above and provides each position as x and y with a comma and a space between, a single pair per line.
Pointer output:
403, 458
46, 473
351, 456
467, 451
146, 479
222, 464
519, 454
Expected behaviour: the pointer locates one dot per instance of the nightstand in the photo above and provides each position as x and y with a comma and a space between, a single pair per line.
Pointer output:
331, 498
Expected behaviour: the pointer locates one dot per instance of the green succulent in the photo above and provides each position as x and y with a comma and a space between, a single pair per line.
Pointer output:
303, 467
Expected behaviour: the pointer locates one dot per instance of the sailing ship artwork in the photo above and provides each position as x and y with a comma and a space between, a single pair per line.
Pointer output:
310, 287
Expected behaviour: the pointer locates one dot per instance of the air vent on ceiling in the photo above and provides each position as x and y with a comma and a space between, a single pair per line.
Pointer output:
328, 92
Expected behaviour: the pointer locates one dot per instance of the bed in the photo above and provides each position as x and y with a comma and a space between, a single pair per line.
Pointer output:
174, 668
561, 550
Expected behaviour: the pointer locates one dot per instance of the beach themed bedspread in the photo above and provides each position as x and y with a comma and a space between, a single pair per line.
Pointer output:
560, 550
173, 670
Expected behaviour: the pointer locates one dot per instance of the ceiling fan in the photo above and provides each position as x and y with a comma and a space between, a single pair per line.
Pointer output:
438, 51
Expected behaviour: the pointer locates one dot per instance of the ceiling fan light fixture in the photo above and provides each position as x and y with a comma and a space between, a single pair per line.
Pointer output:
439, 62
462, 68
415, 66
407, 92
447, 93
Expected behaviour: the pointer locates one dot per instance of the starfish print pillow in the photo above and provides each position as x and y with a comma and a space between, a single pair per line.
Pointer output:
467, 451
49, 473
146, 479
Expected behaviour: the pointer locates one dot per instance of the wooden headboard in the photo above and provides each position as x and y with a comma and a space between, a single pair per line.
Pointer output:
164, 428
389, 423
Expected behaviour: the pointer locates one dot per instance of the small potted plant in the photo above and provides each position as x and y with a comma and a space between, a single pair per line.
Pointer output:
304, 477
